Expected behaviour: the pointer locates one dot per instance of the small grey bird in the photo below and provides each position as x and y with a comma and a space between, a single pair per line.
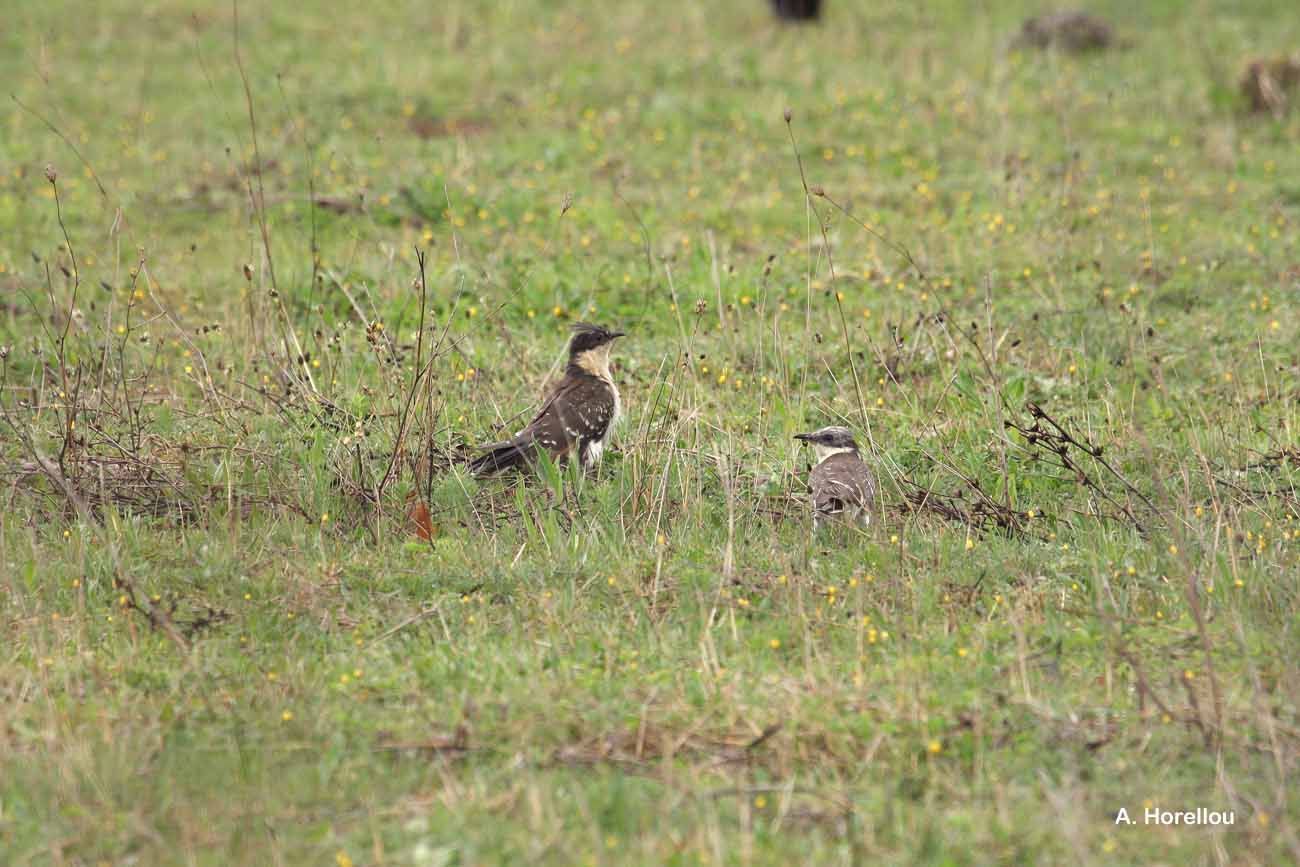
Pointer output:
842, 484
576, 417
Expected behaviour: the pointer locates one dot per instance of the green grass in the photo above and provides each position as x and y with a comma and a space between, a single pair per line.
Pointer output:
224, 643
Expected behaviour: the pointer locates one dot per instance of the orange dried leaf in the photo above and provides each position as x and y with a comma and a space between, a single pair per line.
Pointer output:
417, 516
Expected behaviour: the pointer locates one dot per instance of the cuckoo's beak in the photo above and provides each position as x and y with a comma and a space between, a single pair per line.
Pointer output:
614, 334
805, 437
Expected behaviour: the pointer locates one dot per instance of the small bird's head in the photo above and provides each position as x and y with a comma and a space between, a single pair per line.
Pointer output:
589, 347
830, 440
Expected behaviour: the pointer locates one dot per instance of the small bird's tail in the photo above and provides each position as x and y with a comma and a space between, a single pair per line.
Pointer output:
499, 457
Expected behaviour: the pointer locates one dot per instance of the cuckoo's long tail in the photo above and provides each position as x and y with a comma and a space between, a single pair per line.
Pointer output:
499, 457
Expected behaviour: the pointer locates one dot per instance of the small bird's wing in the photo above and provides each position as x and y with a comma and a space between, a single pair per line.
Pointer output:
839, 483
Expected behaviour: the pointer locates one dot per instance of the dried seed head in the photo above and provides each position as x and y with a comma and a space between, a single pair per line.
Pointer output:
248, 273
818, 190
701, 306
788, 115
51, 174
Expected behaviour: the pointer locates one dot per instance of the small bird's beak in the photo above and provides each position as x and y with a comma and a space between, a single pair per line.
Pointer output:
805, 437
614, 334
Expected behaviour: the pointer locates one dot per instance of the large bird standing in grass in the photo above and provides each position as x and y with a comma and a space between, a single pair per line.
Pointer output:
577, 416
841, 482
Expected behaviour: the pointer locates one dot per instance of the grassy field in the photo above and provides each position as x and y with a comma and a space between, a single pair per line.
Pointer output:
1056, 296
